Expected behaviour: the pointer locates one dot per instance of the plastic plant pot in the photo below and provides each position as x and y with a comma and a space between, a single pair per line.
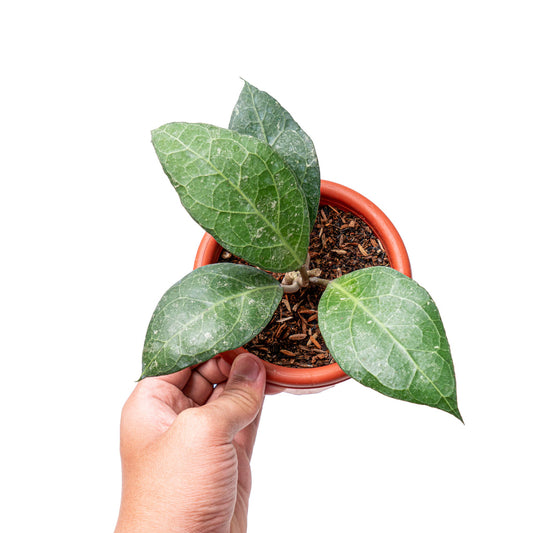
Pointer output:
302, 380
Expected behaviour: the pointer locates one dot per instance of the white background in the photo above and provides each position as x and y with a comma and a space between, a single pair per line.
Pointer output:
425, 107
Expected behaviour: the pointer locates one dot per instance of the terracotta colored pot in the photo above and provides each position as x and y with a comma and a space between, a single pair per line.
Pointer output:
343, 198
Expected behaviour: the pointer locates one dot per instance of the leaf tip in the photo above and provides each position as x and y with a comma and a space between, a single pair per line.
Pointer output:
454, 411
459, 417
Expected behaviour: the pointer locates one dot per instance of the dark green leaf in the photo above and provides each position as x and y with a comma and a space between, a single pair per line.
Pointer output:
215, 308
239, 190
385, 331
258, 114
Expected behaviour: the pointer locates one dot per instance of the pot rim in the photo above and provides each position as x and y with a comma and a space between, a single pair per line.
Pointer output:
344, 198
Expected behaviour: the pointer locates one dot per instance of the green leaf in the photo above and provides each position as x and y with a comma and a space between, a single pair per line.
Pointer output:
239, 190
258, 114
215, 308
385, 331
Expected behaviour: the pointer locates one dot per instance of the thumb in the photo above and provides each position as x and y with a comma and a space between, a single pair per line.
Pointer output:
242, 398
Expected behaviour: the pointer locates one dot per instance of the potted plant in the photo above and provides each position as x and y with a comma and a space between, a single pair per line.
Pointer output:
256, 189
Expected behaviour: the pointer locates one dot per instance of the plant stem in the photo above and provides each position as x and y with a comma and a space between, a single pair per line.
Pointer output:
293, 287
319, 281
304, 275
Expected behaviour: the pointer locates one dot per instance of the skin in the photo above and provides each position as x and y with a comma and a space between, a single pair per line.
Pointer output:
186, 448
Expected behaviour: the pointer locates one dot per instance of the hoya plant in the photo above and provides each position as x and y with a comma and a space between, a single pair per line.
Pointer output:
255, 187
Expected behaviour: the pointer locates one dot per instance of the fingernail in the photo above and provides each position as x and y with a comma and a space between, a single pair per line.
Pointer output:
246, 367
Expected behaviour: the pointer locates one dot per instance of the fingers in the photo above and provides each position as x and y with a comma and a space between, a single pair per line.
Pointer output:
178, 379
198, 388
157, 402
197, 383
149, 411
246, 437
200, 385
215, 370
241, 400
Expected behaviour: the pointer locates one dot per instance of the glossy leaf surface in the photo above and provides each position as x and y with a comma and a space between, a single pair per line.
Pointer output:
258, 114
215, 308
239, 190
384, 330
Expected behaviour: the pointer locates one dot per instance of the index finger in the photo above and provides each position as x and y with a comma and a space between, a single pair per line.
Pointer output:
178, 379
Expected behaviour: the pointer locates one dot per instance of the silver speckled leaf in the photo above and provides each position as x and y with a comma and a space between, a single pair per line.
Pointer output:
258, 114
239, 190
385, 331
215, 308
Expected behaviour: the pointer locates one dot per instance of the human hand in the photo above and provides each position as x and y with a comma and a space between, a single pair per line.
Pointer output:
186, 448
